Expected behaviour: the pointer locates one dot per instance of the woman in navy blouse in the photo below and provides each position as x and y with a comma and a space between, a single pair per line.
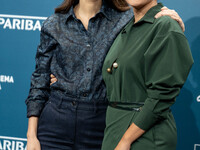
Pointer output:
70, 114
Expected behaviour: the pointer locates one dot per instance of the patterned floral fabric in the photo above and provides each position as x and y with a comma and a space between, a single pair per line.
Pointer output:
75, 56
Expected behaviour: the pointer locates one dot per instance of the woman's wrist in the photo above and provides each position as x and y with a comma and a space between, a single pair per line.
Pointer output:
126, 140
31, 135
32, 127
132, 134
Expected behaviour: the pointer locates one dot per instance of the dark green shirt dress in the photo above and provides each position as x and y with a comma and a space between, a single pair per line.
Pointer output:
144, 71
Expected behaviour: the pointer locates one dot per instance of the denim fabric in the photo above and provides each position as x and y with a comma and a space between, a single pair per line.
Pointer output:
66, 124
74, 55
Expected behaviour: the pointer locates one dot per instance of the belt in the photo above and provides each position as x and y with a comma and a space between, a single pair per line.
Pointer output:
120, 105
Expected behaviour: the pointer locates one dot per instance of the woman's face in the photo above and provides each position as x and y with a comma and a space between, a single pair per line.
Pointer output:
138, 3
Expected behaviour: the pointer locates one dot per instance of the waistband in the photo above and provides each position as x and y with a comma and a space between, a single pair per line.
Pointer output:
68, 102
126, 106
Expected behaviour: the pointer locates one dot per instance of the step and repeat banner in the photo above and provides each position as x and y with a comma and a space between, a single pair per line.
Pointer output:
20, 24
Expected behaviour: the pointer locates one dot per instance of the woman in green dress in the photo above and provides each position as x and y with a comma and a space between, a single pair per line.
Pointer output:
144, 71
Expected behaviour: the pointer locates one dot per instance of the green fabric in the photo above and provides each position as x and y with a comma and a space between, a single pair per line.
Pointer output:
154, 60
162, 136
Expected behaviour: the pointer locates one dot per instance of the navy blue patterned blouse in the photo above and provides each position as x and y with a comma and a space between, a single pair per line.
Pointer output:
75, 56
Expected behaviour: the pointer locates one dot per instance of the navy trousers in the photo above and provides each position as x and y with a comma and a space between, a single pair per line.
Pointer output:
65, 124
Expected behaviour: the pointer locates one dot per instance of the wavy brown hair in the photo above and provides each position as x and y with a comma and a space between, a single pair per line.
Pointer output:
120, 5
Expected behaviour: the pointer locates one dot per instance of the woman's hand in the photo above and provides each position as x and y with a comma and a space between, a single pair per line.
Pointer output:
53, 79
173, 14
123, 145
131, 134
33, 143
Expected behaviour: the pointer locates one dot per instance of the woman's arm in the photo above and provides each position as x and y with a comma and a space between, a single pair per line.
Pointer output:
32, 127
40, 80
32, 141
40, 85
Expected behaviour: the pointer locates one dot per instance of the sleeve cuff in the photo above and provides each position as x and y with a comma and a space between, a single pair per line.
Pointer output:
145, 119
34, 108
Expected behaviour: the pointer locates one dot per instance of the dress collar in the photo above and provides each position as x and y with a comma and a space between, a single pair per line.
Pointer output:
149, 16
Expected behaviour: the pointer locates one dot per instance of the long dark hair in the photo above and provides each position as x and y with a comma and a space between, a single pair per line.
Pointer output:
120, 5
